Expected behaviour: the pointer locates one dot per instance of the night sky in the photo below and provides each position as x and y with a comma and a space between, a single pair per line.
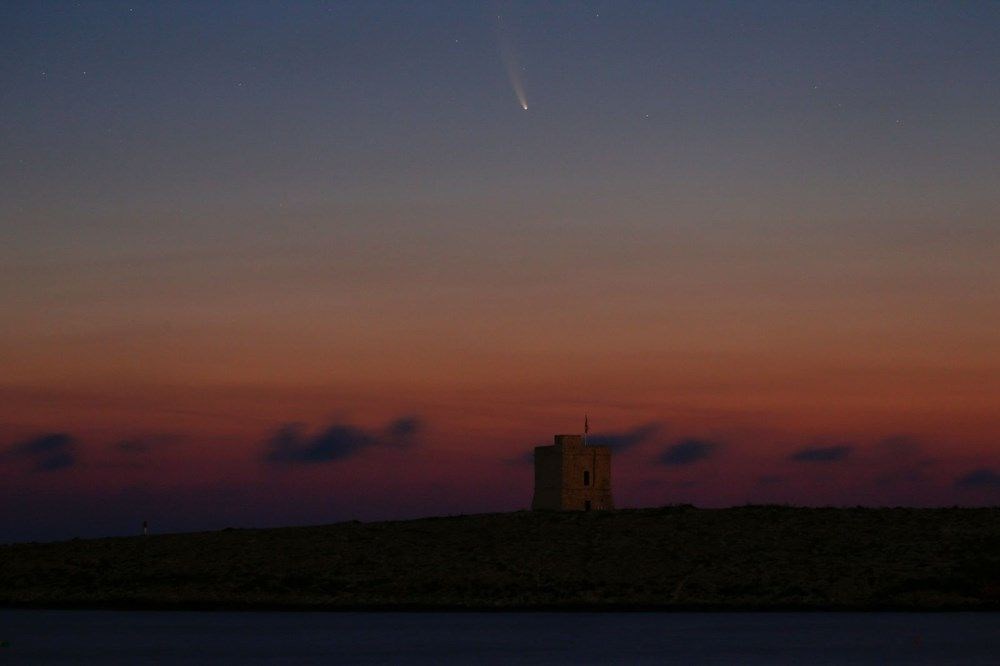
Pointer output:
269, 263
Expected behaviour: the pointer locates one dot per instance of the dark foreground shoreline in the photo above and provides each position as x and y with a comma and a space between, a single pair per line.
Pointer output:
748, 639
756, 558
265, 607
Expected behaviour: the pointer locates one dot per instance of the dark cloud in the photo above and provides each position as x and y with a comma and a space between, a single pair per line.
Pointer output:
48, 452
403, 429
822, 453
620, 441
291, 444
687, 451
526, 458
979, 478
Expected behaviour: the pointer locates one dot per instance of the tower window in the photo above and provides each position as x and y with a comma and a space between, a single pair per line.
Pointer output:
586, 477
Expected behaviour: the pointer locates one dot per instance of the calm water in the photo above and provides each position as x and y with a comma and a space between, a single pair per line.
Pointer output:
501, 638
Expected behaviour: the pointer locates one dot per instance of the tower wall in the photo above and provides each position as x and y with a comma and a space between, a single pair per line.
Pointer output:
548, 478
596, 462
569, 475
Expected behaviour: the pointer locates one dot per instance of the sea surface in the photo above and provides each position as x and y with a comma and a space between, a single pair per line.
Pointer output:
113, 637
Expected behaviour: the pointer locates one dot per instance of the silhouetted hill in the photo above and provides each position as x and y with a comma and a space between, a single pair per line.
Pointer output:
668, 558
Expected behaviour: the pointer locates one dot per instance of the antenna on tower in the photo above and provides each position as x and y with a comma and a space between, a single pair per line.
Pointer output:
586, 427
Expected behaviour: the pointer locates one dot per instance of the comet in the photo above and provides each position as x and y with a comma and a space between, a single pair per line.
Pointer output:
511, 64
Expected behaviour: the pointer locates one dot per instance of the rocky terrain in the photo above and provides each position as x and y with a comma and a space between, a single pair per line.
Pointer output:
671, 558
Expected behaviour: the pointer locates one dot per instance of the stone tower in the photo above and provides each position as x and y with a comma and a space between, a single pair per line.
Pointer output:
570, 475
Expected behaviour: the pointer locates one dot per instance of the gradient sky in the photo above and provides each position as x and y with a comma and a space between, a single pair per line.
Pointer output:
281, 263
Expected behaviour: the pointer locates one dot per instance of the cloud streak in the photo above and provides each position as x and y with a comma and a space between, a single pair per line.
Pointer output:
687, 451
291, 444
616, 441
48, 452
823, 454
979, 478
619, 441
